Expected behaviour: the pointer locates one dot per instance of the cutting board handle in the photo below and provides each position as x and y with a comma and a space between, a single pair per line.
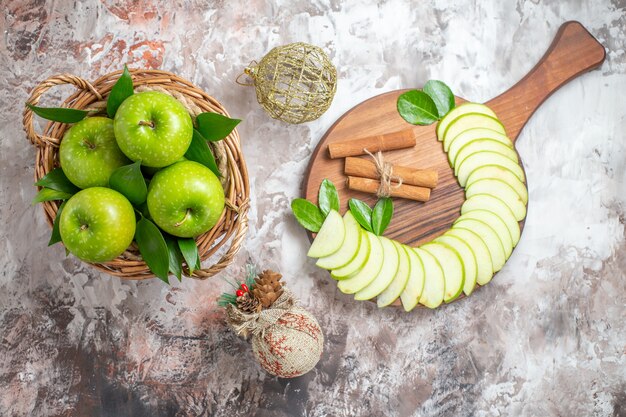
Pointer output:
573, 52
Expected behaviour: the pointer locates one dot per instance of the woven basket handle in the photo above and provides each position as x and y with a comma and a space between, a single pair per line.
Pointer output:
35, 138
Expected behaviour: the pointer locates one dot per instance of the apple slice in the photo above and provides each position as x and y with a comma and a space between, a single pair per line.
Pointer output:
480, 159
391, 261
452, 145
434, 285
488, 235
471, 121
483, 257
411, 295
348, 249
484, 145
461, 110
467, 258
497, 224
501, 190
370, 269
497, 206
330, 237
399, 283
452, 268
502, 174
357, 263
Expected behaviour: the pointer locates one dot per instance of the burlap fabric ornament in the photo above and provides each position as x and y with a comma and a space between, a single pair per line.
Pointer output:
294, 83
286, 339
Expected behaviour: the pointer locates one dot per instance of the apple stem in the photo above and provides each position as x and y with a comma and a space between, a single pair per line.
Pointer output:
90, 145
84, 227
146, 123
187, 214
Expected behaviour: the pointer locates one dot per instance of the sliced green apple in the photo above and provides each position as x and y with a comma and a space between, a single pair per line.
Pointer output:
452, 268
415, 285
452, 145
434, 284
480, 159
483, 257
391, 261
370, 269
497, 224
348, 249
488, 235
471, 121
502, 174
459, 111
468, 259
501, 190
484, 145
497, 206
399, 283
330, 237
357, 263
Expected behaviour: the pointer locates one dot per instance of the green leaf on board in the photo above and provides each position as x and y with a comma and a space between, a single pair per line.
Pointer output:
416, 107
129, 181
122, 89
214, 126
55, 237
328, 197
362, 213
48, 194
153, 248
59, 114
189, 249
57, 180
200, 152
175, 257
441, 95
307, 214
381, 215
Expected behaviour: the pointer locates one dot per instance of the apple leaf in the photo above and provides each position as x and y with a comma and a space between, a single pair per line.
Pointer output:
153, 248
175, 257
441, 95
214, 126
381, 215
57, 180
307, 214
416, 107
189, 249
55, 237
200, 152
362, 213
328, 198
59, 114
129, 181
122, 89
48, 194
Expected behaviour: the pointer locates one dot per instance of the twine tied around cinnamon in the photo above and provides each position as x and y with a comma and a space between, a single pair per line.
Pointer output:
385, 174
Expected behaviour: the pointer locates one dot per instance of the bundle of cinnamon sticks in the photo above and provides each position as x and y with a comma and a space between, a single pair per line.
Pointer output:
365, 174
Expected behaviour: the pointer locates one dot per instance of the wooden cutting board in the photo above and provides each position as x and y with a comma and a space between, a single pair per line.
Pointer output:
573, 52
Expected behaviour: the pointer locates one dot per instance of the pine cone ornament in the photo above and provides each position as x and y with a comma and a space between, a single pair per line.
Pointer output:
248, 304
267, 287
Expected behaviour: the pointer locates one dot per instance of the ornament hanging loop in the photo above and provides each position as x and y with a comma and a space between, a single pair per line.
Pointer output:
250, 73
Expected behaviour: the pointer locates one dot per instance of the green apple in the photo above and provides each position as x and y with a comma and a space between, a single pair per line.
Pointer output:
154, 128
468, 259
185, 199
502, 174
501, 190
497, 224
458, 111
415, 285
385, 275
488, 236
484, 266
452, 145
397, 286
434, 284
472, 121
484, 145
97, 224
89, 153
348, 249
357, 263
480, 159
452, 267
497, 206
330, 237
368, 271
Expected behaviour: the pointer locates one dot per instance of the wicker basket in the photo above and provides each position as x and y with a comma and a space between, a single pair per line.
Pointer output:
233, 223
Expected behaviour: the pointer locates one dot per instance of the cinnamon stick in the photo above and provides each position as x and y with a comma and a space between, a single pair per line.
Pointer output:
387, 142
359, 167
370, 186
